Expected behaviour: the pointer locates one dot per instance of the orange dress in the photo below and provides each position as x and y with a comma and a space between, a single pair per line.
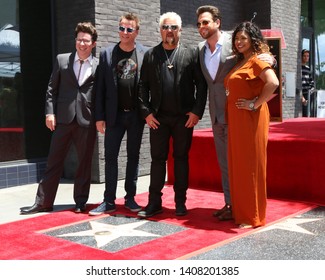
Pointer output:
247, 144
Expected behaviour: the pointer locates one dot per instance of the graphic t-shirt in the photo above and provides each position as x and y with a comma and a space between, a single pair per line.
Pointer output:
126, 69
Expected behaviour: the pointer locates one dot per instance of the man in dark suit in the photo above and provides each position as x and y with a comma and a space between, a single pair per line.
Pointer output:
116, 111
69, 114
172, 98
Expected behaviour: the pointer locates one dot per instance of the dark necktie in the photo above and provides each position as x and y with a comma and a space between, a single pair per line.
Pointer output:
81, 62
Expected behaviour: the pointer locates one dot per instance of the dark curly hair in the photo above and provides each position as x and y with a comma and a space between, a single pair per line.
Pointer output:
86, 27
259, 44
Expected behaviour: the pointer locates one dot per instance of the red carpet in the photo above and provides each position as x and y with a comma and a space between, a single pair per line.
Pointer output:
27, 239
296, 151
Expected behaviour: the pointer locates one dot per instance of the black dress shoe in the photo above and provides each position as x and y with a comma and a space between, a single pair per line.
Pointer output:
36, 208
150, 211
80, 208
180, 210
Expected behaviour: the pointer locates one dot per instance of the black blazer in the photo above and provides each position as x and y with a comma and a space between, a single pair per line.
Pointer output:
190, 84
65, 98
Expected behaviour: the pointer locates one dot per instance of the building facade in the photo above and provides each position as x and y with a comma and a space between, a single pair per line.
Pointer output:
33, 32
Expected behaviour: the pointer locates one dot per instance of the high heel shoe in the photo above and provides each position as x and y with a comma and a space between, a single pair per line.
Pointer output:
245, 226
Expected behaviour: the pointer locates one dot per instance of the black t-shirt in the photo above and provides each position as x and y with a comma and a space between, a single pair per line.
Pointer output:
169, 102
126, 70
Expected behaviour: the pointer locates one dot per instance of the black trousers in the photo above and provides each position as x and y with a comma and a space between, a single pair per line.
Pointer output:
169, 128
63, 136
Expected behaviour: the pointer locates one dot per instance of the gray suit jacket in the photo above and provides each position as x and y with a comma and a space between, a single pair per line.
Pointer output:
217, 95
65, 98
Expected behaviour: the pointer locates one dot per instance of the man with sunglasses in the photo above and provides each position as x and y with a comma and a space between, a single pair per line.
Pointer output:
116, 111
217, 59
172, 98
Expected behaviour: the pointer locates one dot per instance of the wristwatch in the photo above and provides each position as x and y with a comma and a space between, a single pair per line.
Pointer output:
252, 106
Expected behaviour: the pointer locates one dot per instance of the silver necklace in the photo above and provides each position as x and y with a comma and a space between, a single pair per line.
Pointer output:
173, 55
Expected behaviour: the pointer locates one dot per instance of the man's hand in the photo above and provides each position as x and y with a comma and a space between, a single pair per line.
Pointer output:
152, 122
268, 58
192, 120
50, 122
101, 126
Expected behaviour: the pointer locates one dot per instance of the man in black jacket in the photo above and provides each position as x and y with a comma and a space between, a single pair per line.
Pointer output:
116, 111
172, 98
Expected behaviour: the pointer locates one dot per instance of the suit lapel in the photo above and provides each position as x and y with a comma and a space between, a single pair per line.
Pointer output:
70, 66
224, 54
202, 62
179, 58
139, 54
223, 57
94, 66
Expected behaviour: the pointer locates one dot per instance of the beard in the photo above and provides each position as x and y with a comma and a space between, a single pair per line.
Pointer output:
206, 34
170, 41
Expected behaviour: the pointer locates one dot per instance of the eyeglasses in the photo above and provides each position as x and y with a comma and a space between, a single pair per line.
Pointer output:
128, 29
167, 27
203, 23
85, 41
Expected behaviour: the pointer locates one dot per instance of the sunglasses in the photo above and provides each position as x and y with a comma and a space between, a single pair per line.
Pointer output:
167, 27
128, 29
203, 23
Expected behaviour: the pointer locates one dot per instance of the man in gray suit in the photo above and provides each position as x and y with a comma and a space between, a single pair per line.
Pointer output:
216, 60
69, 114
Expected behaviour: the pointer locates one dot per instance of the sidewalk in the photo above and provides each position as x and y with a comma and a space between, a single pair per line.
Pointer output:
11, 199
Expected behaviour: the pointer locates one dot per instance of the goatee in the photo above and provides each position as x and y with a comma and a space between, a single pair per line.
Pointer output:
170, 41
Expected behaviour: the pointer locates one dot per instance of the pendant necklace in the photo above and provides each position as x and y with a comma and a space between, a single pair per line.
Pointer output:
233, 71
173, 55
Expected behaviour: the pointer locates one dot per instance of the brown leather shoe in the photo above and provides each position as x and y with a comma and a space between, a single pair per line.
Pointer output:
226, 215
220, 211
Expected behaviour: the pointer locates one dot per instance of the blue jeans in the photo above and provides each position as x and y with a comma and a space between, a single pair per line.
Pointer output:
130, 123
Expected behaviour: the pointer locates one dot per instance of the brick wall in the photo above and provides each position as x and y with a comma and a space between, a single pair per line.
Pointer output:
107, 17
285, 14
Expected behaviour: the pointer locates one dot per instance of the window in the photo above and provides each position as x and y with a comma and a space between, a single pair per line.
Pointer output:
11, 115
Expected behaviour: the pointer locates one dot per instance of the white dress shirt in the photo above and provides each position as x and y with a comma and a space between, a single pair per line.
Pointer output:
212, 60
85, 69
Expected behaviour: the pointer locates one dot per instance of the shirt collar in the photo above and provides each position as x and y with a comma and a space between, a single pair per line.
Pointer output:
89, 58
218, 44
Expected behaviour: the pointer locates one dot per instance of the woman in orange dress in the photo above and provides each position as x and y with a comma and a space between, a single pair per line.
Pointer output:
249, 85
